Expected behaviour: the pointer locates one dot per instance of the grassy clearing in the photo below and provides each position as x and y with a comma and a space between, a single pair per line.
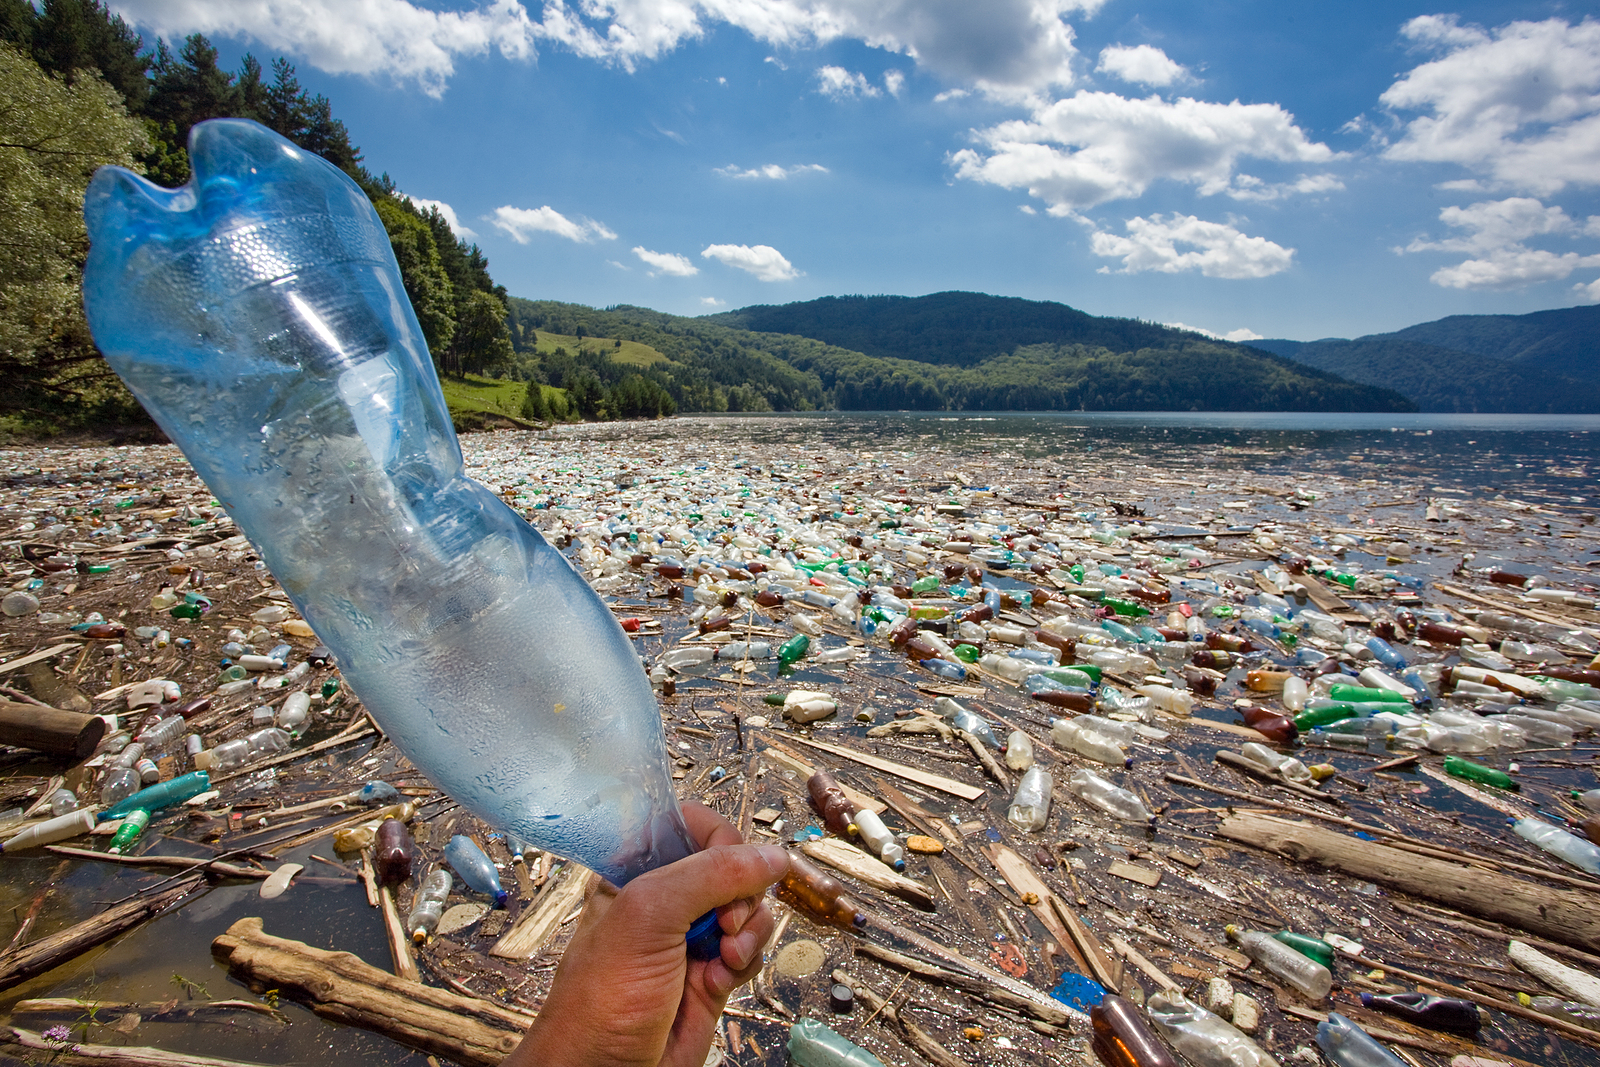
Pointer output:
630, 352
474, 393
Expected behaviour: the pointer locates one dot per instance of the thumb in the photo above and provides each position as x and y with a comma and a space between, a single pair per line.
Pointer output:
676, 895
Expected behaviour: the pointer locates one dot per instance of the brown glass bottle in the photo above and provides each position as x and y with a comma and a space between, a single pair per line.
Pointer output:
1123, 1039
817, 896
835, 808
920, 648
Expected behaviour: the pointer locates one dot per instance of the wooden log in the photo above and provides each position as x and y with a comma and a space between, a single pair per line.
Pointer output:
50, 730
31, 1047
1561, 915
19, 964
145, 1010
535, 925
1043, 1009
342, 987
852, 861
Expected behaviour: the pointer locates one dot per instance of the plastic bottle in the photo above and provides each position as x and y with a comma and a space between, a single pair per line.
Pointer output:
813, 1045
1294, 693
1088, 743
133, 824
63, 802
149, 773
1286, 767
475, 869
292, 714
1269, 724
1365, 694
393, 852
818, 896
428, 905
1561, 844
1200, 1037
1311, 947
60, 828
1457, 767
1436, 1013
1347, 1045
156, 737
1302, 972
878, 838
1115, 801
121, 780
1175, 702
487, 659
1031, 805
1587, 1015
1122, 1039
793, 650
831, 803
975, 725
161, 796
1019, 751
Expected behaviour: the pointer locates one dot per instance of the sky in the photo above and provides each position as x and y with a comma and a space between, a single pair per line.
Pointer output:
1247, 168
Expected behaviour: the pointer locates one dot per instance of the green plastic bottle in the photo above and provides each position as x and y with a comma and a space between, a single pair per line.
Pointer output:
926, 584
1360, 694
133, 824
813, 1045
1312, 947
1060, 675
967, 653
793, 649
1477, 772
1322, 716
1124, 607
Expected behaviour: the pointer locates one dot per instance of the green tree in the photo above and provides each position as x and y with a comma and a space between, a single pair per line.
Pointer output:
432, 296
534, 405
53, 134
481, 342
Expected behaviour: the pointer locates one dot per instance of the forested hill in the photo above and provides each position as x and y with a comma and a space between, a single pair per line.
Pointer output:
955, 329
1544, 362
711, 364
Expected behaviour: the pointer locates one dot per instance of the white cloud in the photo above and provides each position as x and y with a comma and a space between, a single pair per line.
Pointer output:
1217, 250
950, 94
1589, 293
522, 223
1093, 147
1002, 47
670, 263
1026, 209
841, 84
1495, 234
1241, 335
713, 302
1249, 187
393, 37
894, 81
772, 171
448, 213
1142, 65
1519, 104
764, 261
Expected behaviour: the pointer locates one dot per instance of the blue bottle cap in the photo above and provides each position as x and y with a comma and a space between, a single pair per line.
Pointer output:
705, 938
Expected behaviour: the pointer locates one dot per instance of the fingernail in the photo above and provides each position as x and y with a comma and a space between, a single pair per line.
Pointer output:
777, 858
737, 914
745, 947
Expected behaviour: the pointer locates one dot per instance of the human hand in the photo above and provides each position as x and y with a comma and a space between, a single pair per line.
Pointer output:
626, 993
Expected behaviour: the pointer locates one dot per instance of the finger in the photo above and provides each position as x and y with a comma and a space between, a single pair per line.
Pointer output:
708, 828
744, 950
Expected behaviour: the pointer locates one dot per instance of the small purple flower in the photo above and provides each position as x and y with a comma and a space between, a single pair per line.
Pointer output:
58, 1033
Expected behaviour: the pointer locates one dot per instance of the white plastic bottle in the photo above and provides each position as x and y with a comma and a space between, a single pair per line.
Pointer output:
1019, 751
879, 839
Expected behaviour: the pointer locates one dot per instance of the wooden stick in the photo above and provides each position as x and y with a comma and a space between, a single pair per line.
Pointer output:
37, 906
930, 1049
20, 964
182, 863
1137, 958
1239, 763
75, 1006
899, 770
31, 1047
1558, 914
535, 925
342, 987
1432, 915
35, 657
1060, 1015
988, 761
399, 943
844, 856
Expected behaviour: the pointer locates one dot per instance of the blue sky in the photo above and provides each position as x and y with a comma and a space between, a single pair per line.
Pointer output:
1243, 167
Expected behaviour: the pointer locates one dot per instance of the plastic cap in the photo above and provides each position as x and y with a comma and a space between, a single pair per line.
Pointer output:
705, 938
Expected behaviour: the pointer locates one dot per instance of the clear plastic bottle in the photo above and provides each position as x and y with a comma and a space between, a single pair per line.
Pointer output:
1586, 1015
1031, 805
1287, 767
1115, 801
1087, 743
1201, 1038
1019, 751
122, 780
1347, 1045
63, 801
258, 314
156, 737
1300, 971
293, 712
428, 905
1561, 844
475, 869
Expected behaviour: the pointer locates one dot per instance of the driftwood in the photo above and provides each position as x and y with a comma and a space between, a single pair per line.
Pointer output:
1570, 981
405, 964
899, 770
145, 1010
32, 1047
344, 988
535, 925
916, 1037
219, 868
1056, 917
50, 730
1561, 915
858, 864
20, 964
995, 770
35, 657
1042, 1008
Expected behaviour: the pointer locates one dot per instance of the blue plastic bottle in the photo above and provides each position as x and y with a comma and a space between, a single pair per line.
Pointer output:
475, 869
258, 315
